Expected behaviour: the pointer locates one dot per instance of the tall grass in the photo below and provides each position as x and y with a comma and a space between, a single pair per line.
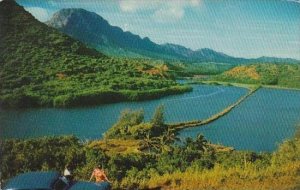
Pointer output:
282, 173
249, 177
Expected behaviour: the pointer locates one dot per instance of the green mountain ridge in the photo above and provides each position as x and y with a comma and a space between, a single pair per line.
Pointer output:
40, 66
90, 28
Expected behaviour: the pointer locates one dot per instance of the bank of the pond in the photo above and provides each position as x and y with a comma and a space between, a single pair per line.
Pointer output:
280, 87
210, 82
89, 98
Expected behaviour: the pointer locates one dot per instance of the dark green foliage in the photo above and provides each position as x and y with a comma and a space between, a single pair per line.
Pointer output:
49, 153
120, 164
201, 70
131, 125
158, 116
39, 66
168, 163
206, 161
240, 158
93, 157
158, 121
127, 120
193, 149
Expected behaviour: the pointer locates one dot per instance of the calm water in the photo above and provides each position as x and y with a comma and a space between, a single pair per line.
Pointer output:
92, 122
260, 123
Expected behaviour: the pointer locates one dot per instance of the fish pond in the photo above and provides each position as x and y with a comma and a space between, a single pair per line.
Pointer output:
259, 123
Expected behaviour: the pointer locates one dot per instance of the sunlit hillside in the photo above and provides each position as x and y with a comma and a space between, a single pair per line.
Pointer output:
284, 75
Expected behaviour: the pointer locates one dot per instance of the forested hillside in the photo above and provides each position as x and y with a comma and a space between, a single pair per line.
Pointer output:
40, 66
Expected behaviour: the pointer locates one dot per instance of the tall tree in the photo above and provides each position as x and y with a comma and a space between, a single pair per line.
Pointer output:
158, 116
150, 143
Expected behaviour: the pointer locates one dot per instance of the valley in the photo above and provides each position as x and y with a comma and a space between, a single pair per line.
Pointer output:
78, 91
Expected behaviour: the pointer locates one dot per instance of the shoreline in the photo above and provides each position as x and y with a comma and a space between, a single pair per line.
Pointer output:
242, 85
97, 98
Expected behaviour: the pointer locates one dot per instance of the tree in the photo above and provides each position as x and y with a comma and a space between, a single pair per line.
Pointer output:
166, 140
200, 143
170, 136
150, 143
158, 116
194, 149
128, 119
163, 145
158, 121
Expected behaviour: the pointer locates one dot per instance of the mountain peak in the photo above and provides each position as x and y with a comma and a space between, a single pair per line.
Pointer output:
8, 2
94, 30
77, 11
171, 45
19, 25
67, 16
8, 6
209, 51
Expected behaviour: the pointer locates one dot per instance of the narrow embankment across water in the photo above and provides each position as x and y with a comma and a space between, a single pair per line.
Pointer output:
196, 123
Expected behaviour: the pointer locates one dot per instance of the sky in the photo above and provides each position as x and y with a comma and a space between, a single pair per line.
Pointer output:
241, 28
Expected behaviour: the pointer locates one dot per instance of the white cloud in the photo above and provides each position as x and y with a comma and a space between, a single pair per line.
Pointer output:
167, 10
195, 2
39, 13
296, 1
136, 5
169, 14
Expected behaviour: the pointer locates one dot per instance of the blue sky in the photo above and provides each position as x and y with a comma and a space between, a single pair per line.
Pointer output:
242, 28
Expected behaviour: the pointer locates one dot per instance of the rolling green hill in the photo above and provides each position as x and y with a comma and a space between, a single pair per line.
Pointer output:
40, 66
284, 75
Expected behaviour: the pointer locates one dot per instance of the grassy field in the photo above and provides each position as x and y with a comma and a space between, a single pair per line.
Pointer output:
285, 177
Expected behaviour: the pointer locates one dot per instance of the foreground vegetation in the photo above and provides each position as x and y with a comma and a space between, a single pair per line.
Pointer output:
143, 155
39, 66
